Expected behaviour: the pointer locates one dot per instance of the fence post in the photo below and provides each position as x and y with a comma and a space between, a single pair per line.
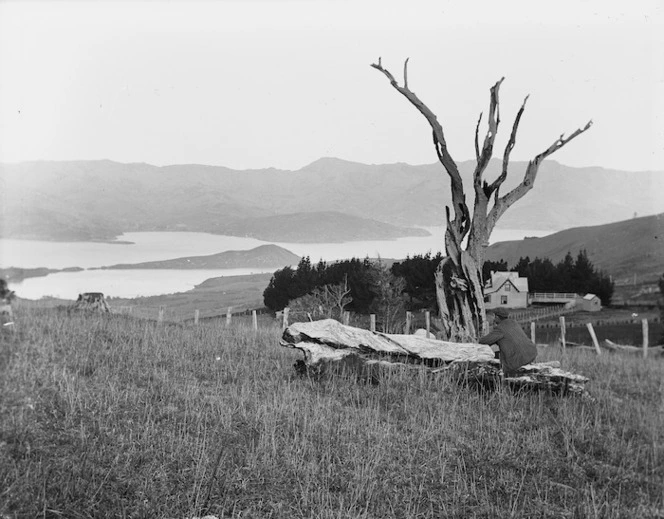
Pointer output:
427, 321
284, 323
372, 322
229, 316
644, 329
254, 320
409, 320
532, 332
562, 330
196, 316
594, 337
160, 317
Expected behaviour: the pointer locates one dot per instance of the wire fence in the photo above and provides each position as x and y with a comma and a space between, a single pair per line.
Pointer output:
633, 335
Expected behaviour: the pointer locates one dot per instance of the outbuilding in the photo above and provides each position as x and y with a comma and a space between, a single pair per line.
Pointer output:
589, 303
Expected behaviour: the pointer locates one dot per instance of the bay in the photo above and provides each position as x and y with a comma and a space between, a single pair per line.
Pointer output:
154, 246
119, 283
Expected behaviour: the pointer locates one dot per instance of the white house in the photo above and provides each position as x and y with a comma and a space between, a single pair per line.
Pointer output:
506, 290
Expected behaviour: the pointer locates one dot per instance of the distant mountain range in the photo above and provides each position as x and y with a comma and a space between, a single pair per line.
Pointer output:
263, 256
99, 200
623, 249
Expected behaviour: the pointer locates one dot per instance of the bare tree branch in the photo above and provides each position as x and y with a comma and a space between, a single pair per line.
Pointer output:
515, 128
458, 196
490, 137
561, 141
495, 185
476, 229
477, 132
503, 203
405, 73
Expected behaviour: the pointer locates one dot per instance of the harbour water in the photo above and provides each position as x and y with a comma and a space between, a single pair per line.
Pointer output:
153, 246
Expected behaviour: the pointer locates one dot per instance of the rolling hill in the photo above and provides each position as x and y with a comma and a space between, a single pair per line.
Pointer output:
88, 200
263, 256
622, 249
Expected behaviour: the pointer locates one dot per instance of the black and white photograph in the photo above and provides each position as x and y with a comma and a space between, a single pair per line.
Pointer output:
331, 259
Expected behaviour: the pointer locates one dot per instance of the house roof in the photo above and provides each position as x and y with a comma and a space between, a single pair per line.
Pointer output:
498, 280
588, 297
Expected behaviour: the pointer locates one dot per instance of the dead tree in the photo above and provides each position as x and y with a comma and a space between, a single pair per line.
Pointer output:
458, 278
339, 295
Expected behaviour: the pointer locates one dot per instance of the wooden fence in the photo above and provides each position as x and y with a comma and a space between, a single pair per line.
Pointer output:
536, 314
424, 318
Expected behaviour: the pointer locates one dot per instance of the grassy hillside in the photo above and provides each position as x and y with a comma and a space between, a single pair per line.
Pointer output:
211, 298
622, 249
262, 256
113, 417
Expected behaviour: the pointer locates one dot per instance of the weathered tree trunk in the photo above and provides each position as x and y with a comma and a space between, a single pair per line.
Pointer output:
92, 301
330, 347
460, 298
459, 286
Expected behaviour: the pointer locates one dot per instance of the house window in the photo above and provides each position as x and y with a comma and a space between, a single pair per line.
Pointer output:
503, 300
508, 287
487, 299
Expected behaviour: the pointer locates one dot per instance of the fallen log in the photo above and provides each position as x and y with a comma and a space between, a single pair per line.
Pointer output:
328, 339
328, 343
626, 348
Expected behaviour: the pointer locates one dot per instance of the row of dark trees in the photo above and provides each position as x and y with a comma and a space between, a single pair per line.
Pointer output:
571, 274
322, 290
289, 284
367, 279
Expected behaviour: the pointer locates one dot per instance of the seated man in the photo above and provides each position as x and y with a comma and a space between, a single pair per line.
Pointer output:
516, 349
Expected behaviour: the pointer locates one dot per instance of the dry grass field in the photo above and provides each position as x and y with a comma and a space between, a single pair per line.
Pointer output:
109, 416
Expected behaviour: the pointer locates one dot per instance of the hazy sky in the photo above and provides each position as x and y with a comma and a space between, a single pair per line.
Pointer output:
260, 83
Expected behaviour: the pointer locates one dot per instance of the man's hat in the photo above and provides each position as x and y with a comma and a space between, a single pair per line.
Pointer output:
501, 312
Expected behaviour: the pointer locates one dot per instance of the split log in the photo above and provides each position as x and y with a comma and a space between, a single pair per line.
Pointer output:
330, 340
328, 343
543, 375
538, 376
626, 348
